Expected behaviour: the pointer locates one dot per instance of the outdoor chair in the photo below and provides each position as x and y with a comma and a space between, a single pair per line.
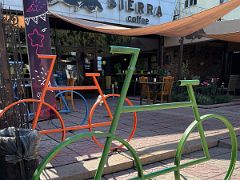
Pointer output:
166, 89
145, 90
69, 95
233, 83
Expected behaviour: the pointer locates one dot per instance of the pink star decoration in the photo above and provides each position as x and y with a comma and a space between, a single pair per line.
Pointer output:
36, 39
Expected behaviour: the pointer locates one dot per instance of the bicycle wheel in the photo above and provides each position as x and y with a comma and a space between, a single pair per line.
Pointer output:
78, 137
81, 103
191, 128
34, 102
103, 123
18, 117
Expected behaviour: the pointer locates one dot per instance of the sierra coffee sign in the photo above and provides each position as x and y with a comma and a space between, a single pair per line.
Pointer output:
139, 8
127, 12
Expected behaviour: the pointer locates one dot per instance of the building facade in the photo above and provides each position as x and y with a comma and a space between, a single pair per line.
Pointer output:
202, 57
85, 51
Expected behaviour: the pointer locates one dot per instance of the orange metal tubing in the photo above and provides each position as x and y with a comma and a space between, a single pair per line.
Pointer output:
64, 129
92, 74
76, 127
72, 88
44, 90
44, 103
91, 116
103, 97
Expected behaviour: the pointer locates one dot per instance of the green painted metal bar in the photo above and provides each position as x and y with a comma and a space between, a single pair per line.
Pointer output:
156, 173
181, 146
118, 50
77, 137
197, 123
127, 109
188, 82
194, 125
234, 142
197, 117
194, 162
171, 169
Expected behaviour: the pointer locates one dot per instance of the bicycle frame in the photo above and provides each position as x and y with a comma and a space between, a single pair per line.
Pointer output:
197, 123
49, 88
64, 129
192, 103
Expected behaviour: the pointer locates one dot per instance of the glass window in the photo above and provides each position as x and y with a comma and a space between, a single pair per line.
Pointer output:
223, 1
186, 4
191, 2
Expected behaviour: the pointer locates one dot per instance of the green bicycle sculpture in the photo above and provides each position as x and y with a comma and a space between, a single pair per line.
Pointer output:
197, 123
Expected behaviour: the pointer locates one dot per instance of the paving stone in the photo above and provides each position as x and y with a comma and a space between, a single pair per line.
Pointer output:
156, 138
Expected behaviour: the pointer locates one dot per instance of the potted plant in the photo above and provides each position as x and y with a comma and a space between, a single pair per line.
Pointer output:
185, 70
117, 67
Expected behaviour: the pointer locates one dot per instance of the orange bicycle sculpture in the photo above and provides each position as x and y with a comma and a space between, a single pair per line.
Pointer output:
63, 129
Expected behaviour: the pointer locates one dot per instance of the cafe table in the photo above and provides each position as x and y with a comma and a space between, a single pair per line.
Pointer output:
154, 88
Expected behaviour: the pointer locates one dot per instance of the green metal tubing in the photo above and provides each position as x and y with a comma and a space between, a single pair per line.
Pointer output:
186, 134
156, 173
77, 137
127, 109
194, 162
122, 50
171, 169
197, 117
188, 82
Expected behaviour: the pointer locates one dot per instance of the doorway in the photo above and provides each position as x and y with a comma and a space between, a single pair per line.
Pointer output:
235, 63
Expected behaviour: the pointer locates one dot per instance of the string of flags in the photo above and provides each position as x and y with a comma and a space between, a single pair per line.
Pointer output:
35, 19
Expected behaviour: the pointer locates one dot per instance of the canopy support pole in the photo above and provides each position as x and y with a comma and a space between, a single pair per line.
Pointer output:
181, 40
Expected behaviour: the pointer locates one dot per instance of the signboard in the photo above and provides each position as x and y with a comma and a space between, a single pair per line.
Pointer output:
124, 12
39, 42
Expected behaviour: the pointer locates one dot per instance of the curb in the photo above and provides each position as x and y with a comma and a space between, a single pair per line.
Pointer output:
123, 161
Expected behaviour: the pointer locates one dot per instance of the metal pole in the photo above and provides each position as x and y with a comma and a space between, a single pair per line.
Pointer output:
181, 58
123, 50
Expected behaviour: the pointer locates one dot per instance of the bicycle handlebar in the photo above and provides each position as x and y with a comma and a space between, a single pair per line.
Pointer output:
46, 56
123, 50
92, 74
188, 82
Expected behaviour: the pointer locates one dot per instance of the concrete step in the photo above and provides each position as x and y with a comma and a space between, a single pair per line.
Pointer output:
123, 161
226, 143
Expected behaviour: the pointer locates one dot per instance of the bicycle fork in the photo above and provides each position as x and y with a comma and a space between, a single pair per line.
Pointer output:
200, 131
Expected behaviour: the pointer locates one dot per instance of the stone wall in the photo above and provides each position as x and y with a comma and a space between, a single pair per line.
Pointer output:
203, 59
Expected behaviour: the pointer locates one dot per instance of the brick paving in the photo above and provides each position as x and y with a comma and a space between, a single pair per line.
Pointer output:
157, 132
214, 169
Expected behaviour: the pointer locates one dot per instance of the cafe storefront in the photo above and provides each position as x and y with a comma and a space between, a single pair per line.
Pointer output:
79, 20
82, 51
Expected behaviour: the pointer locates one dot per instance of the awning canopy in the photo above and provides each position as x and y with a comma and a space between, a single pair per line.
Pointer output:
178, 28
224, 30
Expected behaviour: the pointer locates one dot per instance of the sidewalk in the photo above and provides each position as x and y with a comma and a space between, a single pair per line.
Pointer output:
214, 169
156, 138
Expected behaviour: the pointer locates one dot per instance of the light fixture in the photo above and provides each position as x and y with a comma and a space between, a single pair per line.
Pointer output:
65, 60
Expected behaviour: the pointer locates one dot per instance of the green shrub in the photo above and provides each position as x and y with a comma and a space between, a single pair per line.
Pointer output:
222, 99
204, 96
204, 99
180, 97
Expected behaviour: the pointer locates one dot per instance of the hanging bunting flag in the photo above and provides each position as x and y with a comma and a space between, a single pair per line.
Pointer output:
27, 20
43, 17
35, 19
